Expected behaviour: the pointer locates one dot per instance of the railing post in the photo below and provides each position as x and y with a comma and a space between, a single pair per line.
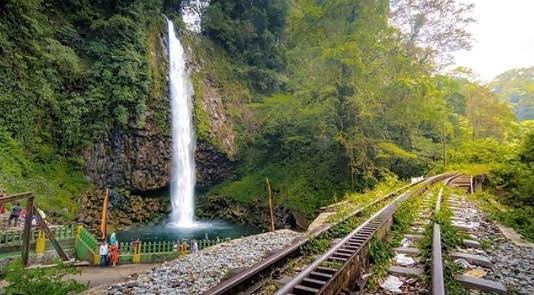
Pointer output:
40, 243
136, 257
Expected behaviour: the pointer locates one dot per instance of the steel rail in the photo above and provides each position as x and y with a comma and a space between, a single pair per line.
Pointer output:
319, 280
232, 283
438, 284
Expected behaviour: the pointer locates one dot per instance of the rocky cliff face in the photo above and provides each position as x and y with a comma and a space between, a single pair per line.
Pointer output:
124, 209
138, 159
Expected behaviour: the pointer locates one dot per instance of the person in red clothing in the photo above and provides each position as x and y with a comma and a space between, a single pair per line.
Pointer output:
115, 254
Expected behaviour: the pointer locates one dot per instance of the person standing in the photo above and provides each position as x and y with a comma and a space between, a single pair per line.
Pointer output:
194, 248
103, 253
113, 239
115, 254
15, 213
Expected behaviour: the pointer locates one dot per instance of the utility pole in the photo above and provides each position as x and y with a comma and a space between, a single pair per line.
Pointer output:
444, 146
270, 194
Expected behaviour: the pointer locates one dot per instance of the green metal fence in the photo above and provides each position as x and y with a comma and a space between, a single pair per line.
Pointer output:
87, 246
14, 238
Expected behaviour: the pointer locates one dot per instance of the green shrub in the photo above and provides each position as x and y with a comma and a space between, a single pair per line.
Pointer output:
43, 281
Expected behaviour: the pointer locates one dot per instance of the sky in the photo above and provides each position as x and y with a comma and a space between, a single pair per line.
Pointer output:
504, 37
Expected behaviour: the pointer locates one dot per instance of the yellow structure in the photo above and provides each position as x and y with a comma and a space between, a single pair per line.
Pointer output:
136, 258
40, 243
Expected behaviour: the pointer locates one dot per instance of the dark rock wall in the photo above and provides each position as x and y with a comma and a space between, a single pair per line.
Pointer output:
140, 161
212, 166
137, 160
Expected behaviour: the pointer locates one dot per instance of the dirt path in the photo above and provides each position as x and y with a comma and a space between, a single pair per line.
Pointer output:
98, 276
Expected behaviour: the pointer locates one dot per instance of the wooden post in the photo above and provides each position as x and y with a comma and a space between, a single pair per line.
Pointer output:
104, 221
27, 231
444, 147
270, 194
49, 235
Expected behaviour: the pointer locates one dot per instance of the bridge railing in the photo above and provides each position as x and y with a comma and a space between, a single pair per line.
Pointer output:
14, 238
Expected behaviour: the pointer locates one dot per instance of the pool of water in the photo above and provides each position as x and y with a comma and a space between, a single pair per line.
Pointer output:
166, 231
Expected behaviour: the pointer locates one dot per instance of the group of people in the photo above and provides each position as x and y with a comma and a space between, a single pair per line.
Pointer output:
109, 253
19, 213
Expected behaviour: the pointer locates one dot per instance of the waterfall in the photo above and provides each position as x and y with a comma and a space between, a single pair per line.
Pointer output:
182, 180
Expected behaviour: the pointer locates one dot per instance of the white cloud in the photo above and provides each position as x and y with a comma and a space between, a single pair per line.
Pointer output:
504, 37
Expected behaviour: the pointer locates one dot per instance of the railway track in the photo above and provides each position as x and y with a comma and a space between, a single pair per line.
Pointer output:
252, 278
336, 270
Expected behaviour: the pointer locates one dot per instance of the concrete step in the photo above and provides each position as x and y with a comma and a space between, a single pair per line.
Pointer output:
481, 284
454, 218
408, 251
460, 227
413, 237
472, 244
472, 259
416, 231
422, 223
405, 271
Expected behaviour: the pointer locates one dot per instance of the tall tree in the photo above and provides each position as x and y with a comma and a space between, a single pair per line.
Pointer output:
432, 29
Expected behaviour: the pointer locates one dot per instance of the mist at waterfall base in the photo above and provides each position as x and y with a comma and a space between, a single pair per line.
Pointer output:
167, 232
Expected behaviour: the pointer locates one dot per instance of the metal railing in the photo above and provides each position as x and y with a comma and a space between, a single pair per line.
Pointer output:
15, 238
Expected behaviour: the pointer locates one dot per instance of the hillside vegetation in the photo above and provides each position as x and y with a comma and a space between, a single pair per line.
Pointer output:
325, 97
517, 87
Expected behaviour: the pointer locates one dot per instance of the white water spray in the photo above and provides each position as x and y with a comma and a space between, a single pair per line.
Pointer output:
182, 180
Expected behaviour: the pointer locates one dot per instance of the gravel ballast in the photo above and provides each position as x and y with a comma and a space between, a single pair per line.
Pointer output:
513, 265
196, 273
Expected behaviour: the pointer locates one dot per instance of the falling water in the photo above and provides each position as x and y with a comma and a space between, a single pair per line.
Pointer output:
183, 143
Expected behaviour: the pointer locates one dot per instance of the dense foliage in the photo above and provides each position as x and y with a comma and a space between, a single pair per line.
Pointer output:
73, 69
70, 72
41, 280
357, 103
251, 32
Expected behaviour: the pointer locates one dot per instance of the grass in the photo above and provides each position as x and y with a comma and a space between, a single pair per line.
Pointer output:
299, 186
358, 200
466, 168
450, 239
520, 219
55, 183
381, 251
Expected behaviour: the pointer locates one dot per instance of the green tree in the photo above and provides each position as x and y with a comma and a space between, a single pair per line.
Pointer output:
251, 32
